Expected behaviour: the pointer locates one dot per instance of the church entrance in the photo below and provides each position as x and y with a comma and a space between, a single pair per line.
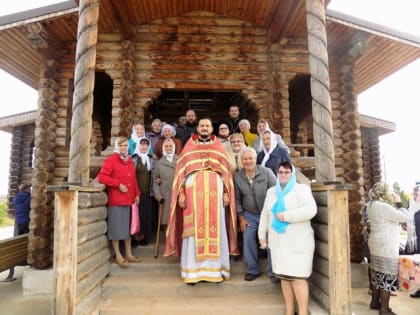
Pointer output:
171, 104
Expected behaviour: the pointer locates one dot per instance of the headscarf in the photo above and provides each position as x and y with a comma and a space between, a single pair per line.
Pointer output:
134, 135
168, 126
279, 206
267, 127
117, 150
273, 145
168, 156
145, 159
380, 192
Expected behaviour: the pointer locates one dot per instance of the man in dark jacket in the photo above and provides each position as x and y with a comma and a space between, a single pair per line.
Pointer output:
22, 206
184, 132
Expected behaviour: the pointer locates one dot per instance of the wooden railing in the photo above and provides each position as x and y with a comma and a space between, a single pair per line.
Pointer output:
13, 252
302, 148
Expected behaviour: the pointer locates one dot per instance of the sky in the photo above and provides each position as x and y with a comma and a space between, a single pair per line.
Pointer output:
394, 99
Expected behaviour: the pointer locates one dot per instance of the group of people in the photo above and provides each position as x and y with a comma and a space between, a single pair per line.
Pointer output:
383, 215
209, 184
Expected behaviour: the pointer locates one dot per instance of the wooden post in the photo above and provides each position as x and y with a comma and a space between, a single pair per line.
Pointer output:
65, 252
320, 91
84, 79
339, 253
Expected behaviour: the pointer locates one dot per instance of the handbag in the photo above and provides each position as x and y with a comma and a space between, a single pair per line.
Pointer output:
135, 220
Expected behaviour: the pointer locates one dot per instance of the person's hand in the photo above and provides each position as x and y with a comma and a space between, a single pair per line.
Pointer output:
123, 188
243, 223
181, 201
137, 200
158, 181
158, 198
263, 243
226, 199
280, 216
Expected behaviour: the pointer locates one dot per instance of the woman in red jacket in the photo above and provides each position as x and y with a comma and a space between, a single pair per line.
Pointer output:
119, 175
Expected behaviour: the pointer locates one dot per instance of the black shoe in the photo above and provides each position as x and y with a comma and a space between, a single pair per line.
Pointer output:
143, 243
274, 280
415, 294
251, 277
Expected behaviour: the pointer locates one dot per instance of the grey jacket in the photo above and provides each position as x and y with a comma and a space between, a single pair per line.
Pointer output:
251, 197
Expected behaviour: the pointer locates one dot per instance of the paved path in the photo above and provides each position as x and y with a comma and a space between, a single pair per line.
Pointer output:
6, 232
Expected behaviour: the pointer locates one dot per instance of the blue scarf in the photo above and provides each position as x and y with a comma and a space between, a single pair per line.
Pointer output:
279, 206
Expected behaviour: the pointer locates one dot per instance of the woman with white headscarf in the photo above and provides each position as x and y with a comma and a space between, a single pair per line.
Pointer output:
118, 174
272, 154
262, 126
384, 241
137, 132
144, 164
163, 177
285, 228
168, 131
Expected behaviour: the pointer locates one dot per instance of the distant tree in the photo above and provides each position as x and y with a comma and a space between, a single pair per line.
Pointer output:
404, 196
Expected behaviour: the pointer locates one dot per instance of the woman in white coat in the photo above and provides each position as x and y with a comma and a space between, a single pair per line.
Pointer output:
384, 241
286, 220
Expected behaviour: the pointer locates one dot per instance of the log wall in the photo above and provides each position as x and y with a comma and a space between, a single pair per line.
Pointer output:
371, 158
42, 209
21, 159
203, 51
81, 251
289, 59
64, 114
93, 253
352, 162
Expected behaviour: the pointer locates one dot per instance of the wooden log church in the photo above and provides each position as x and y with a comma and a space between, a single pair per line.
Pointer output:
100, 65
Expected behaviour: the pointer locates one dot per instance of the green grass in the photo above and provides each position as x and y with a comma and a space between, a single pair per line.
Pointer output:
4, 219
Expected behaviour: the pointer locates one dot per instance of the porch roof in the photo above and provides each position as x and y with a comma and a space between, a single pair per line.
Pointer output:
7, 123
382, 126
284, 19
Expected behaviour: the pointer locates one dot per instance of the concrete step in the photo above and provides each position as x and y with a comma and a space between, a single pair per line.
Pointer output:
167, 266
172, 285
181, 305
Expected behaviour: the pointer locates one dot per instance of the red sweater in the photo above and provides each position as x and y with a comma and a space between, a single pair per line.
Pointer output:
116, 171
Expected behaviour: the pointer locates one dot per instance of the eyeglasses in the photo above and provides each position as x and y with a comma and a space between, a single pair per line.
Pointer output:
223, 128
236, 141
284, 173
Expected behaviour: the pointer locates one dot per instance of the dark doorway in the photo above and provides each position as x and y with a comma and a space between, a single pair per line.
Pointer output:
102, 111
300, 102
172, 104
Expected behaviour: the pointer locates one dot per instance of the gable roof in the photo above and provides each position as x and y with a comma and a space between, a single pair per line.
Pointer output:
387, 50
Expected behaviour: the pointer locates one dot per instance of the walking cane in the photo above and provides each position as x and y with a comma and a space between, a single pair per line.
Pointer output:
158, 229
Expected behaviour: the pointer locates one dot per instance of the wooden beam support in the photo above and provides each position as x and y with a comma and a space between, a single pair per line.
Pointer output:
122, 15
65, 252
39, 38
84, 81
339, 253
320, 91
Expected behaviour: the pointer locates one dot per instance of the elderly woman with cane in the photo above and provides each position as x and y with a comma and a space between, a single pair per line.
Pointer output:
163, 177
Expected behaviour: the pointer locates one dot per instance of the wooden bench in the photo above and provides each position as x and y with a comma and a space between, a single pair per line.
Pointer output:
13, 252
